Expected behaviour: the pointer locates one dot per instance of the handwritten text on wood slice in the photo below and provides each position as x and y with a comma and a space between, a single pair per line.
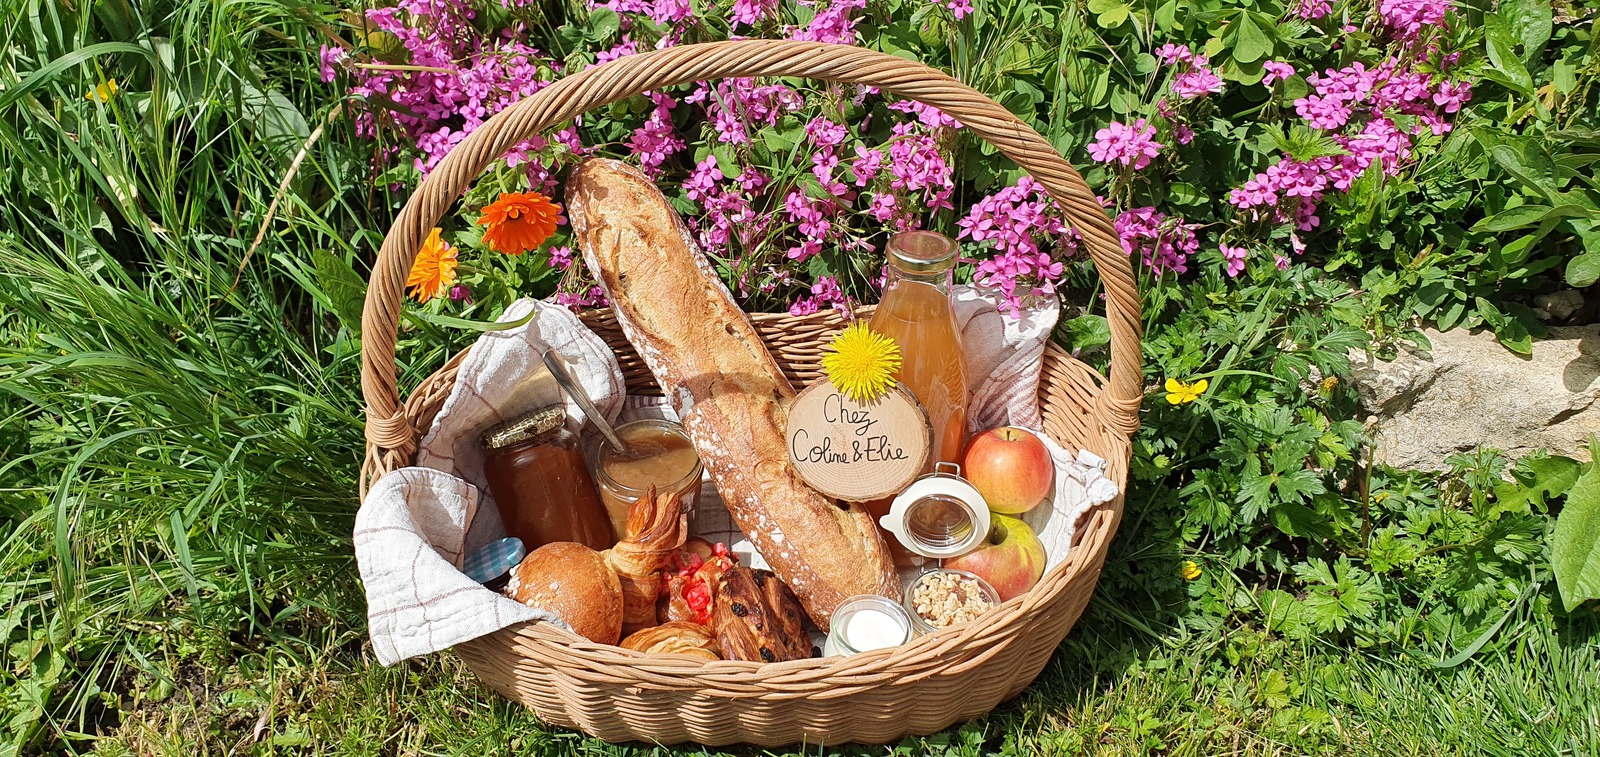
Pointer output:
857, 451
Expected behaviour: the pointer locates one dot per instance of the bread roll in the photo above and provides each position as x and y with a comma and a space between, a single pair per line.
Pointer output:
573, 583
681, 637
731, 395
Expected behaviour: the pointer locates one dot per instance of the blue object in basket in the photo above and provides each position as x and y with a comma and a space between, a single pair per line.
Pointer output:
495, 559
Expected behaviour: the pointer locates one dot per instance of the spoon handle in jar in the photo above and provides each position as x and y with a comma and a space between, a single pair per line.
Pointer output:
558, 369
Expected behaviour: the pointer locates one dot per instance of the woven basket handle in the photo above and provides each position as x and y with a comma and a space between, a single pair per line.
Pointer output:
390, 438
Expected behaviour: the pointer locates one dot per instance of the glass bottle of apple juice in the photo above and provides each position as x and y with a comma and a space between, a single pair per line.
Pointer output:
916, 312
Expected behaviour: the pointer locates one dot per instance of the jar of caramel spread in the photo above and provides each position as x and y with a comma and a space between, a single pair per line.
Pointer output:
659, 453
540, 483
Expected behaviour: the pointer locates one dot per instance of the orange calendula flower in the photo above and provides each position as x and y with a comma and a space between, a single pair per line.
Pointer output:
434, 270
519, 221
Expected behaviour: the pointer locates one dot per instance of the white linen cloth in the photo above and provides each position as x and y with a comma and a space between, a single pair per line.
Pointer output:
417, 524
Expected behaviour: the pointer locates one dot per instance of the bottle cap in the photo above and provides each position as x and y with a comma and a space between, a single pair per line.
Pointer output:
922, 251
940, 515
493, 562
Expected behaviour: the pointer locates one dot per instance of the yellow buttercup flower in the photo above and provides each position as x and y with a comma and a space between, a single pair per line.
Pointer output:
102, 91
862, 363
1179, 392
1190, 571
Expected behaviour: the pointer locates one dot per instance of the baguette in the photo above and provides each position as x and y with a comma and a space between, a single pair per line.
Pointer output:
730, 393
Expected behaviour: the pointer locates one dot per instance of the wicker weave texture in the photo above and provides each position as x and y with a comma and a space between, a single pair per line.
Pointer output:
919, 688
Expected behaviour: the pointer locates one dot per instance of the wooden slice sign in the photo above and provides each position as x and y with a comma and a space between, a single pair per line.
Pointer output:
857, 451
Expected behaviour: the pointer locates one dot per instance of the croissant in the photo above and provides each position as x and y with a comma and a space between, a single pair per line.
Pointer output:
657, 527
680, 637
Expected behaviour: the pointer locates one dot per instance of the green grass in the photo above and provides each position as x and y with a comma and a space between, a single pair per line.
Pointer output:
1099, 696
178, 455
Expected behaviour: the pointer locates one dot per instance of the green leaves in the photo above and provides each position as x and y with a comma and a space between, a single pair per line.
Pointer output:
1249, 43
1575, 540
1109, 14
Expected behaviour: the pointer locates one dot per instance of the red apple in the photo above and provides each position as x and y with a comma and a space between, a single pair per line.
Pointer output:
1011, 468
1011, 559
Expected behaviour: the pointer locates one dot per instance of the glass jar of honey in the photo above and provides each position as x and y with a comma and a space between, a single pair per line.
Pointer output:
659, 454
540, 483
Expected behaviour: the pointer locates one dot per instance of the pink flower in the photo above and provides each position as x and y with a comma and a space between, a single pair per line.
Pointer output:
460, 293
1198, 83
1128, 145
1312, 10
1281, 262
1452, 95
959, 8
1276, 71
332, 59
1170, 53
561, 258
1182, 133
1233, 259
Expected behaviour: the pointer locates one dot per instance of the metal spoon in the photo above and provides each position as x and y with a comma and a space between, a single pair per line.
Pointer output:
558, 369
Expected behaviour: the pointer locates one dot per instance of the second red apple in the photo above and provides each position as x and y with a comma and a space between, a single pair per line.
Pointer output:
1011, 468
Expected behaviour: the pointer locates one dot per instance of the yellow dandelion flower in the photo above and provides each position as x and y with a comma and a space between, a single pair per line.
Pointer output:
1179, 392
862, 363
102, 91
1190, 571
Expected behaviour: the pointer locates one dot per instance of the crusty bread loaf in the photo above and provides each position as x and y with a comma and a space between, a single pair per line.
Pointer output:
733, 399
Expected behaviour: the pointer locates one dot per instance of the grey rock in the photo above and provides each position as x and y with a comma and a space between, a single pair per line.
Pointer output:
1559, 305
1469, 391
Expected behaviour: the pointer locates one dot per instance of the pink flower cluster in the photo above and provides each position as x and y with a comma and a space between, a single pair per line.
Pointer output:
577, 302
750, 12
1358, 104
931, 117
655, 141
460, 80
736, 107
1312, 10
1342, 94
1197, 79
1164, 243
1018, 220
833, 22
824, 293
1409, 18
1129, 145
729, 215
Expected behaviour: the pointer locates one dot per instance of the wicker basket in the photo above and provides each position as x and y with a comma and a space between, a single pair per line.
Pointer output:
877, 697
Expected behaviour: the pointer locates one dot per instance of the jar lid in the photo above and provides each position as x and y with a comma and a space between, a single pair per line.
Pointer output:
494, 559
524, 427
921, 251
940, 515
